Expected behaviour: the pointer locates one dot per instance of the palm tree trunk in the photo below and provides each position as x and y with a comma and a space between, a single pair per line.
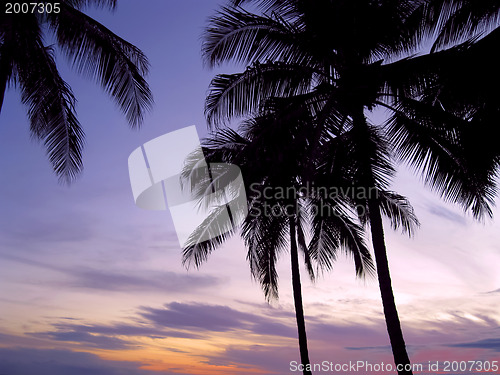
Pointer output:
392, 322
384, 280
297, 299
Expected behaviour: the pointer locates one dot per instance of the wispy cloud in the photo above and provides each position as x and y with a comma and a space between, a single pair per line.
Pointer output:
493, 344
141, 280
123, 329
85, 339
63, 362
215, 318
496, 291
144, 280
446, 213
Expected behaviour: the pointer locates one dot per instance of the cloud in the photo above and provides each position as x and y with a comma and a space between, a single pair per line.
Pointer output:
86, 339
132, 281
122, 329
492, 344
275, 328
272, 359
199, 316
146, 280
99, 336
496, 291
217, 318
25, 361
446, 213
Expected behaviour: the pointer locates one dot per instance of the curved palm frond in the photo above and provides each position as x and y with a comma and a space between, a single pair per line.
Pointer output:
399, 210
234, 95
457, 20
332, 230
432, 141
51, 104
117, 65
240, 36
208, 236
265, 236
8, 50
302, 221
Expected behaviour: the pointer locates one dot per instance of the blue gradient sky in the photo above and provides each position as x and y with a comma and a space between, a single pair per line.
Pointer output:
89, 283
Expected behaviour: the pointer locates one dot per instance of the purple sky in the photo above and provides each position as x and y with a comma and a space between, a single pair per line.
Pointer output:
91, 284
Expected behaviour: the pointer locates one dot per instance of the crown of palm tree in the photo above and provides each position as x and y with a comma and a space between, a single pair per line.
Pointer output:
421, 92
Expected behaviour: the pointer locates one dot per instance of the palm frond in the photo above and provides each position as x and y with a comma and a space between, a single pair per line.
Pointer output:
457, 20
265, 236
399, 210
301, 223
237, 35
233, 95
208, 236
119, 66
51, 104
8, 47
432, 141
332, 230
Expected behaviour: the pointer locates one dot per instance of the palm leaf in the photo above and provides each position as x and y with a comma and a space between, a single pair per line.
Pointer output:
399, 210
237, 35
119, 66
218, 227
432, 141
233, 95
334, 230
265, 237
51, 104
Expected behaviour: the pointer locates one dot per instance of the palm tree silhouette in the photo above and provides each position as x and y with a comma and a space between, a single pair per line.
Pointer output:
342, 59
28, 63
274, 152
270, 153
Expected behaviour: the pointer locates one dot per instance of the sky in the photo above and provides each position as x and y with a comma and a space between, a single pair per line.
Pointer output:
92, 284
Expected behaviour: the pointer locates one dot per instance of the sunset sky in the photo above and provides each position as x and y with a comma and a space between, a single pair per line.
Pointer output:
92, 284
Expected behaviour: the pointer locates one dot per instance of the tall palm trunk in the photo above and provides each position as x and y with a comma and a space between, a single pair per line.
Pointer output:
297, 299
384, 281
367, 151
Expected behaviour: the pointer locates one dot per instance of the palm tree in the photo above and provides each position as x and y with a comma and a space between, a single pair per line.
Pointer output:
272, 158
28, 63
343, 58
